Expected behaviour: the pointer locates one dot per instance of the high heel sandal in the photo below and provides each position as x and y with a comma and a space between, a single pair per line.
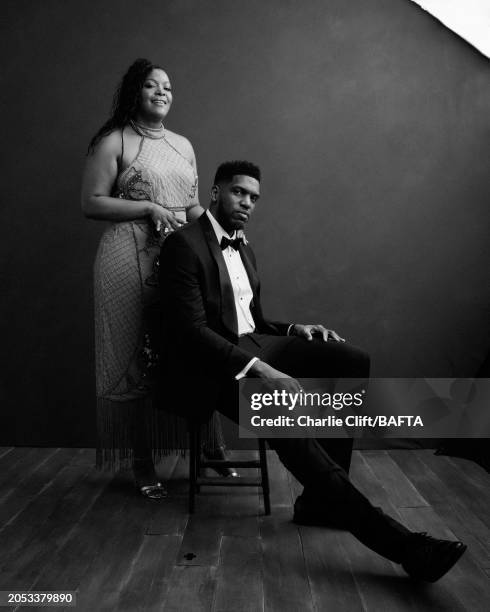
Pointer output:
156, 491
144, 472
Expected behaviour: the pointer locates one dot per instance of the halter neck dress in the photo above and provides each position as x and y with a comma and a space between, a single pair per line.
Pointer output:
126, 302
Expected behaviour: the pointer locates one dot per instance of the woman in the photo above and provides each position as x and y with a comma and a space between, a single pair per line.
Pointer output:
142, 177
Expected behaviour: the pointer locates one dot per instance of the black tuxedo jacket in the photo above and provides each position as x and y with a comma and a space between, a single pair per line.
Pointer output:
199, 330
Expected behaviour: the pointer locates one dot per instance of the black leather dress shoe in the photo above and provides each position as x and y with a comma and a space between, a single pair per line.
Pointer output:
429, 559
314, 515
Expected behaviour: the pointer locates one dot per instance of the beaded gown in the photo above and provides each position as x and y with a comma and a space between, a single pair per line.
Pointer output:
126, 305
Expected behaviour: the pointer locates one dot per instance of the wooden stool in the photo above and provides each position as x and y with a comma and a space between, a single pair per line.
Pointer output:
196, 480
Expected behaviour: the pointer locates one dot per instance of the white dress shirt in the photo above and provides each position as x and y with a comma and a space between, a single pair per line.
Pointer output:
242, 290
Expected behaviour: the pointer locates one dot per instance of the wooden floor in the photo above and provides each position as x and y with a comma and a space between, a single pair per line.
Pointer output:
65, 526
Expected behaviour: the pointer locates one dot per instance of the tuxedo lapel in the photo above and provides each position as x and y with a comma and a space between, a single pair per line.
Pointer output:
228, 312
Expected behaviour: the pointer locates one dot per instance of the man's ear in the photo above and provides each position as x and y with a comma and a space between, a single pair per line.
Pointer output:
214, 193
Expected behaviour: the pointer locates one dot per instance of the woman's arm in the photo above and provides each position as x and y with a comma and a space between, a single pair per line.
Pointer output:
195, 210
194, 213
98, 179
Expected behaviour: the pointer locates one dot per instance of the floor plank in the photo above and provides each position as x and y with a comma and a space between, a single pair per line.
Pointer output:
147, 582
401, 491
19, 465
68, 526
4, 450
86, 537
286, 584
46, 538
280, 494
201, 543
25, 526
240, 564
474, 493
366, 479
31, 484
330, 576
472, 471
191, 588
104, 579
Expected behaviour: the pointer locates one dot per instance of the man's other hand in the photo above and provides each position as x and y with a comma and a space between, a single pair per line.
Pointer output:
277, 379
308, 331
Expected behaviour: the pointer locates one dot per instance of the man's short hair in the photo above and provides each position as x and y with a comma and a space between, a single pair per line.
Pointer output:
227, 170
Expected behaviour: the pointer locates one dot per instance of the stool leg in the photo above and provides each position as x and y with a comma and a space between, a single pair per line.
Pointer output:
198, 449
192, 467
264, 476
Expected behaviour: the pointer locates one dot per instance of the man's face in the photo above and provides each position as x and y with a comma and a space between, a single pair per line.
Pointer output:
236, 201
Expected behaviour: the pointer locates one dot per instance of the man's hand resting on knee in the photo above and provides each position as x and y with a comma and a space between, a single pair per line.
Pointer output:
308, 331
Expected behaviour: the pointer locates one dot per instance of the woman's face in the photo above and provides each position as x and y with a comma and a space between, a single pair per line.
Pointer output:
156, 96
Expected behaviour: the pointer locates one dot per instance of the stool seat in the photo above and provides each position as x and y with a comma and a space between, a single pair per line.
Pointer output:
197, 464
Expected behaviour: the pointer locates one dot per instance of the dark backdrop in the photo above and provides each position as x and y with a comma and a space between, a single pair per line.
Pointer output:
371, 124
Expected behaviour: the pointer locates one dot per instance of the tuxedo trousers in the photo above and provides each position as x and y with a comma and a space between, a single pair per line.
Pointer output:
319, 464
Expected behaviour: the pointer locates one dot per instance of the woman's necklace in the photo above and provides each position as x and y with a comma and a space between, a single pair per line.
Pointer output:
148, 132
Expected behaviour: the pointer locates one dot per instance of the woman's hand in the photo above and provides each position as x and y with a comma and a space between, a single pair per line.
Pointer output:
163, 218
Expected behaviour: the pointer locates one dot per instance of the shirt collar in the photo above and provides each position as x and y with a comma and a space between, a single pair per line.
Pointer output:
220, 232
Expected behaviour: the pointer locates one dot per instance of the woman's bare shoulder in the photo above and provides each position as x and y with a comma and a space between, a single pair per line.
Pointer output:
109, 144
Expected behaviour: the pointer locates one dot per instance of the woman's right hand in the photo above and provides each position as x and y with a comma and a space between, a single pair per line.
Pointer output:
163, 218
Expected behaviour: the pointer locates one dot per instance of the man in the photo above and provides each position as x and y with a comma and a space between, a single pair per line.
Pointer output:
215, 333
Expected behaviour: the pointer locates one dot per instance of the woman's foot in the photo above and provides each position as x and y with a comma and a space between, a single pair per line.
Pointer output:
156, 491
146, 479
219, 454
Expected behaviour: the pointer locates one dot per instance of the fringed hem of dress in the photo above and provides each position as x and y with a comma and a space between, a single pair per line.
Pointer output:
165, 432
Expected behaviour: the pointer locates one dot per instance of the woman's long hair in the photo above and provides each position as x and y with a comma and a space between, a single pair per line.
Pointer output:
126, 99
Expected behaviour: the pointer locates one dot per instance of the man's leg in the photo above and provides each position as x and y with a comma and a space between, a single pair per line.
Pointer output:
341, 502
314, 359
310, 358
306, 459
339, 449
422, 557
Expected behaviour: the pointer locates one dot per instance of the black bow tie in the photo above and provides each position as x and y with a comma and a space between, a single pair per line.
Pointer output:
227, 242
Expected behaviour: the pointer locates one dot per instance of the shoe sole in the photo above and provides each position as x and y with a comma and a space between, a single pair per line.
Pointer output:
458, 553
450, 562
